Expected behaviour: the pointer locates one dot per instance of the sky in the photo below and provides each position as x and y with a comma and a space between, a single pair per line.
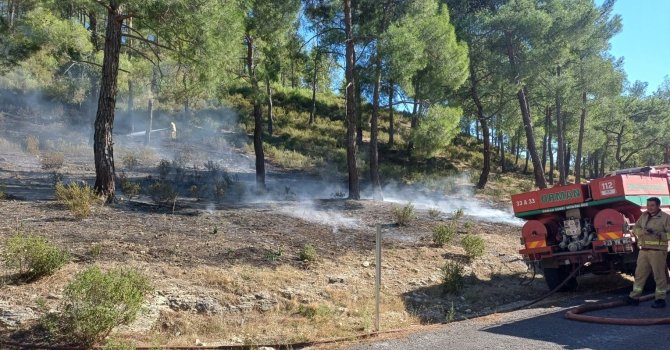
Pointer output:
644, 41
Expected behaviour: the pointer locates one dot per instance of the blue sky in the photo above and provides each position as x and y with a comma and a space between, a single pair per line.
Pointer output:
645, 40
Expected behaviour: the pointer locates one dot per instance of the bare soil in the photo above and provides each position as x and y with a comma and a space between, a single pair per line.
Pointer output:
229, 272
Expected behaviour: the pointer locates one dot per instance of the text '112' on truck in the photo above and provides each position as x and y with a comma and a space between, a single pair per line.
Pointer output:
588, 225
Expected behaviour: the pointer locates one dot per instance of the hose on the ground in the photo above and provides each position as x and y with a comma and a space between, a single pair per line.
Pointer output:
577, 314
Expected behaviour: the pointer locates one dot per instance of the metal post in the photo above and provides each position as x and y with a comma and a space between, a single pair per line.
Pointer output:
378, 274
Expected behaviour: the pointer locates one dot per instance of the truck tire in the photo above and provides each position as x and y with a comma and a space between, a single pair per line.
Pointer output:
555, 276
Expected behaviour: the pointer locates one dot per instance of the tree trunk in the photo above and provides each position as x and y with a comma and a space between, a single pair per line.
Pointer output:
580, 141
150, 121
522, 96
501, 144
268, 90
103, 145
258, 117
517, 148
525, 168
413, 124
566, 161
93, 27
354, 190
560, 160
374, 122
359, 112
481, 118
546, 139
391, 121
312, 114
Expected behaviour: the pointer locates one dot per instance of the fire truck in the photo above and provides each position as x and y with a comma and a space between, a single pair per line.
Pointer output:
588, 225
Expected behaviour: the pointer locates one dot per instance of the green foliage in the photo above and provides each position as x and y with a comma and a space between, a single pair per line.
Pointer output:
453, 277
129, 188
474, 246
79, 198
404, 215
118, 345
436, 130
33, 255
163, 193
443, 234
308, 254
96, 301
458, 213
434, 213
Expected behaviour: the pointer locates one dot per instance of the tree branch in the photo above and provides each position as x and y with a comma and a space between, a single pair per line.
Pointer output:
147, 41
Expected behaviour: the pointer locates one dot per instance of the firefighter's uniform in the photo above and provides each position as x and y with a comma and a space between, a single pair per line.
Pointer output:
173, 134
653, 251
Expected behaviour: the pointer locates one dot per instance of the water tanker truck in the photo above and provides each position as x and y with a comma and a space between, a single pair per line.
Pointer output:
588, 226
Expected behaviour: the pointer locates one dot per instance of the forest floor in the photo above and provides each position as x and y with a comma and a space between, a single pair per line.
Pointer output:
228, 270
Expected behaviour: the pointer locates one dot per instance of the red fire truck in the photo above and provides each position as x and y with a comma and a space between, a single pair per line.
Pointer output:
588, 225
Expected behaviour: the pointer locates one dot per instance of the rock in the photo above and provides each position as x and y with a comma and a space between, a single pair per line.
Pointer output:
199, 343
335, 280
286, 293
366, 263
266, 348
202, 305
149, 316
53, 296
14, 316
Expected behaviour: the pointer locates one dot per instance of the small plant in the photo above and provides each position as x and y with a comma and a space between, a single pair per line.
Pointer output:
164, 168
33, 255
52, 161
308, 253
78, 198
3, 193
338, 195
313, 310
458, 213
272, 255
163, 193
118, 345
130, 161
95, 250
195, 191
434, 213
403, 215
451, 314
220, 189
95, 302
452, 277
129, 188
215, 230
468, 226
32, 145
443, 234
474, 246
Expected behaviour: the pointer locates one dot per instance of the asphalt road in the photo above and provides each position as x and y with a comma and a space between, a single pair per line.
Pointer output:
542, 328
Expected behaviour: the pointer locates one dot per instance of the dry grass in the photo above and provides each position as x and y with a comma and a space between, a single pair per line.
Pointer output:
32, 145
52, 160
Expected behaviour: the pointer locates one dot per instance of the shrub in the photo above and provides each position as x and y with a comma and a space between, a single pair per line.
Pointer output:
129, 188
164, 168
443, 234
452, 277
458, 213
78, 198
33, 255
434, 213
308, 253
163, 193
130, 160
3, 194
52, 161
118, 345
474, 246
403, 215
32, 144
95, 302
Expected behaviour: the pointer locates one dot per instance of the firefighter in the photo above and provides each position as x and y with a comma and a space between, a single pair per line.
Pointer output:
652, 231
173, 126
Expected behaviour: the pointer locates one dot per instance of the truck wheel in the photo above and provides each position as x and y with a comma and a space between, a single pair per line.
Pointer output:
555, 276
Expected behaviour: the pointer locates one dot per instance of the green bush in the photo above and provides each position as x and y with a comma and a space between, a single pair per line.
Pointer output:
452, 277
474, 246
458, 213
33, 255
118, 345
78, 198
443, 234
95, 302
403, 215
308, 253
163, 193
129, 188
434, 213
